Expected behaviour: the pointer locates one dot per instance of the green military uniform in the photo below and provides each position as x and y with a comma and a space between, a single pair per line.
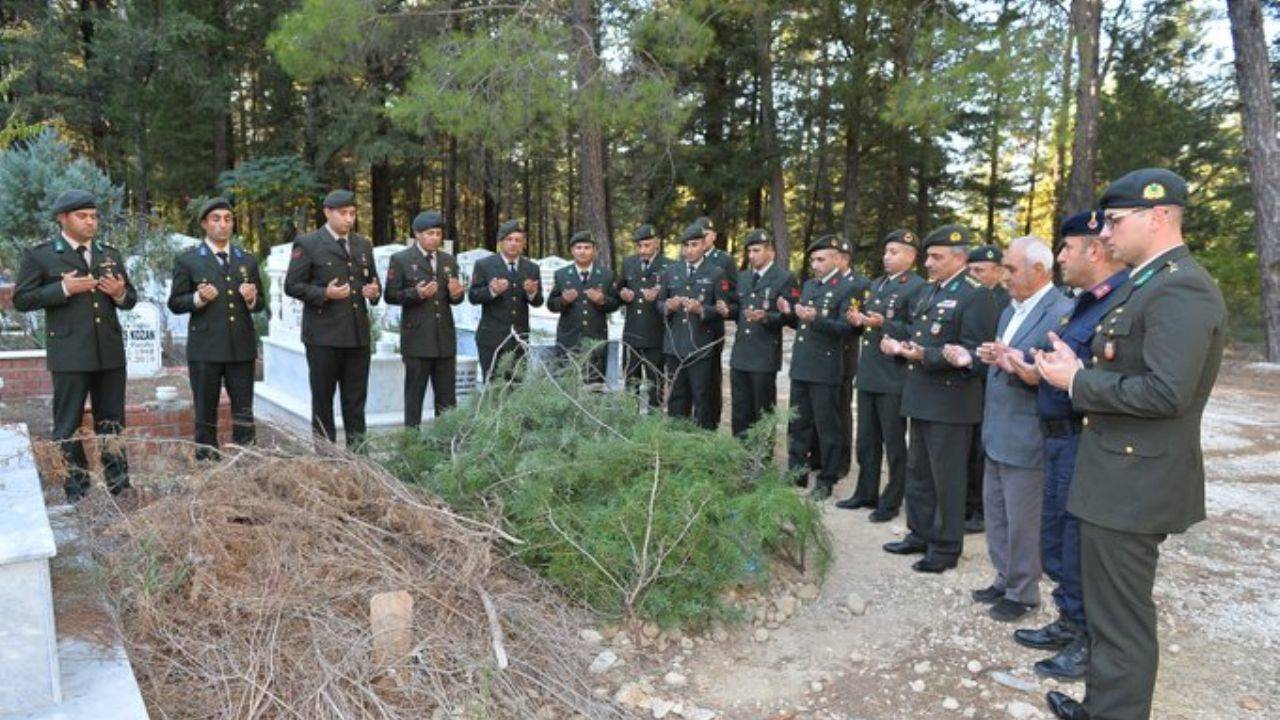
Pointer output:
1140, 470
817, 369
727, 266
882, 431
860, 287
944, 403
504, 318
222, 346
690, 339
756, 357
583, 322
643, 319
335, 332
428, 340
84, 343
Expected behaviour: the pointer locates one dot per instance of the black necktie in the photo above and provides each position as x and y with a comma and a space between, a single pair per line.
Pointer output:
222, 259
511, 267
755, 279
691, 269
584, 276
644, 267
431, 261
342, 243
84, 253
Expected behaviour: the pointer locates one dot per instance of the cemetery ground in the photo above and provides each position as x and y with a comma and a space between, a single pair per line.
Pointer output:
878, 641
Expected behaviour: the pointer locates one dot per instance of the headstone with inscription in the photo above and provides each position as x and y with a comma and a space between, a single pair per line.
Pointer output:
141, 329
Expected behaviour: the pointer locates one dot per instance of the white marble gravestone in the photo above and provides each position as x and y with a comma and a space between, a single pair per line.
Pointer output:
142, 349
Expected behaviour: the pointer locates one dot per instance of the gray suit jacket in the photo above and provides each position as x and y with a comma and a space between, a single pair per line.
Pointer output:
1010, 427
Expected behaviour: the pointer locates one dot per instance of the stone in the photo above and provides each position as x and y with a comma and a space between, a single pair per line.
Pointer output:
917, 685
950, 703
693, 712
675, 679
923, 667
1016, 683
968, 683
632, 695
140, 328
809, 592
589, 636
974, 667
686, 643
660, 708
815, 686
651, 630
603, 662
1248, 702
856, 604
1020, 710
787, 605
856, 657
761, 635
391, 618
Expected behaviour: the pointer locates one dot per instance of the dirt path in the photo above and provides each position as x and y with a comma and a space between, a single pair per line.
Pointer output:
923, 649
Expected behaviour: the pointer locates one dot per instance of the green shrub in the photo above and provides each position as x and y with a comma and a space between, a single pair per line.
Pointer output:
630, 513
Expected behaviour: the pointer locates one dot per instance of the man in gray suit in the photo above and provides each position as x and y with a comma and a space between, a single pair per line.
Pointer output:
1013, 473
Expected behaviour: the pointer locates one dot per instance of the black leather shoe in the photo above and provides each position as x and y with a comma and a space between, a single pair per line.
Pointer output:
974, 525
821, 490
1064, 708
880, 515
905, 547
988, 594
1006, 610
1054, 636
931, 565
853, 502
1070, 663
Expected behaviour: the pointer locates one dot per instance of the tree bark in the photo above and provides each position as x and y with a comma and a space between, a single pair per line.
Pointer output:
591, 136
1086, 25
380, 199
1258, 115
1062, 127
769, 134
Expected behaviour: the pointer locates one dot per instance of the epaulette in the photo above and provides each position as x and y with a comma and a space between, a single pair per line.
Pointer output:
973, 282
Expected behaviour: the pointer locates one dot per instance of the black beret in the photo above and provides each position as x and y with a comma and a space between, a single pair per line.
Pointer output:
1085, 224
986, 253
216, 203
694, 231
906, 237
828, 242
582, 236
705, 223
509, 227
644, 232
427, 220
73, 200
757, 237
947, 236
1145, 188
339, 199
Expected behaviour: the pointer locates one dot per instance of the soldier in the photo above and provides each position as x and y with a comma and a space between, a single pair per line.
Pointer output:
80, 283
505, 285
583, 296
423, 279
942, 396
1140, 469
694, 294
332, 272
817, 360
757, 345
985, 265
1085, 264
638, 288
730, 269
860, 286
220, 285
882, 431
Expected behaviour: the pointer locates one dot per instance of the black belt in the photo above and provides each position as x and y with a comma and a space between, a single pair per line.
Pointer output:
1064, 427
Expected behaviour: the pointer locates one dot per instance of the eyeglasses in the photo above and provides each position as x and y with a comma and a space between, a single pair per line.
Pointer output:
1113, 217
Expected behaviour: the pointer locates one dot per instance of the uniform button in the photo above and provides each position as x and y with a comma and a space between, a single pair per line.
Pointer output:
919, 333
95, 304
232, 318
1098, 329
97, 320
1085, 422
1128, 449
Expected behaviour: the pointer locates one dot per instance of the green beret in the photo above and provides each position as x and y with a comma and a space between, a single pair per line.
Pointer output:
693, 232
986, 253
705, 223
339, 199
1085, 224
906, 237
508, 227
582, 236
73, 200
1144, 189
217, 203
757, 237
947, 236
644, 232
428, 220
828, 242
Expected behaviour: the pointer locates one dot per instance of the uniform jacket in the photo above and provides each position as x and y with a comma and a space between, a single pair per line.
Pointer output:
82, 332
221, 330
582, 319
892, 298
426, 324
757, 346
501, 314
642, 325
318, 258
859, 290
724, 261
691, 335
817, 355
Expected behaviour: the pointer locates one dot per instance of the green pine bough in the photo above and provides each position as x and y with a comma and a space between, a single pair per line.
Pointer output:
633, 514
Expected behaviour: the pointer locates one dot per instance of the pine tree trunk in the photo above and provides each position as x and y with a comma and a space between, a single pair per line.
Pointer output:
380, 192
769, 135
1086, 25
591, 137
1258, 113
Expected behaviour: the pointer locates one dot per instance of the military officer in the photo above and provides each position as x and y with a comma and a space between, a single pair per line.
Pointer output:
817, 363
505, 285
79, 283
424, 281
220, 285
860, 286
756, 357
985, 264
331, 270
638, 286
583, 295
1140, 468
694, 294
882, 431
730, 269
942, 396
